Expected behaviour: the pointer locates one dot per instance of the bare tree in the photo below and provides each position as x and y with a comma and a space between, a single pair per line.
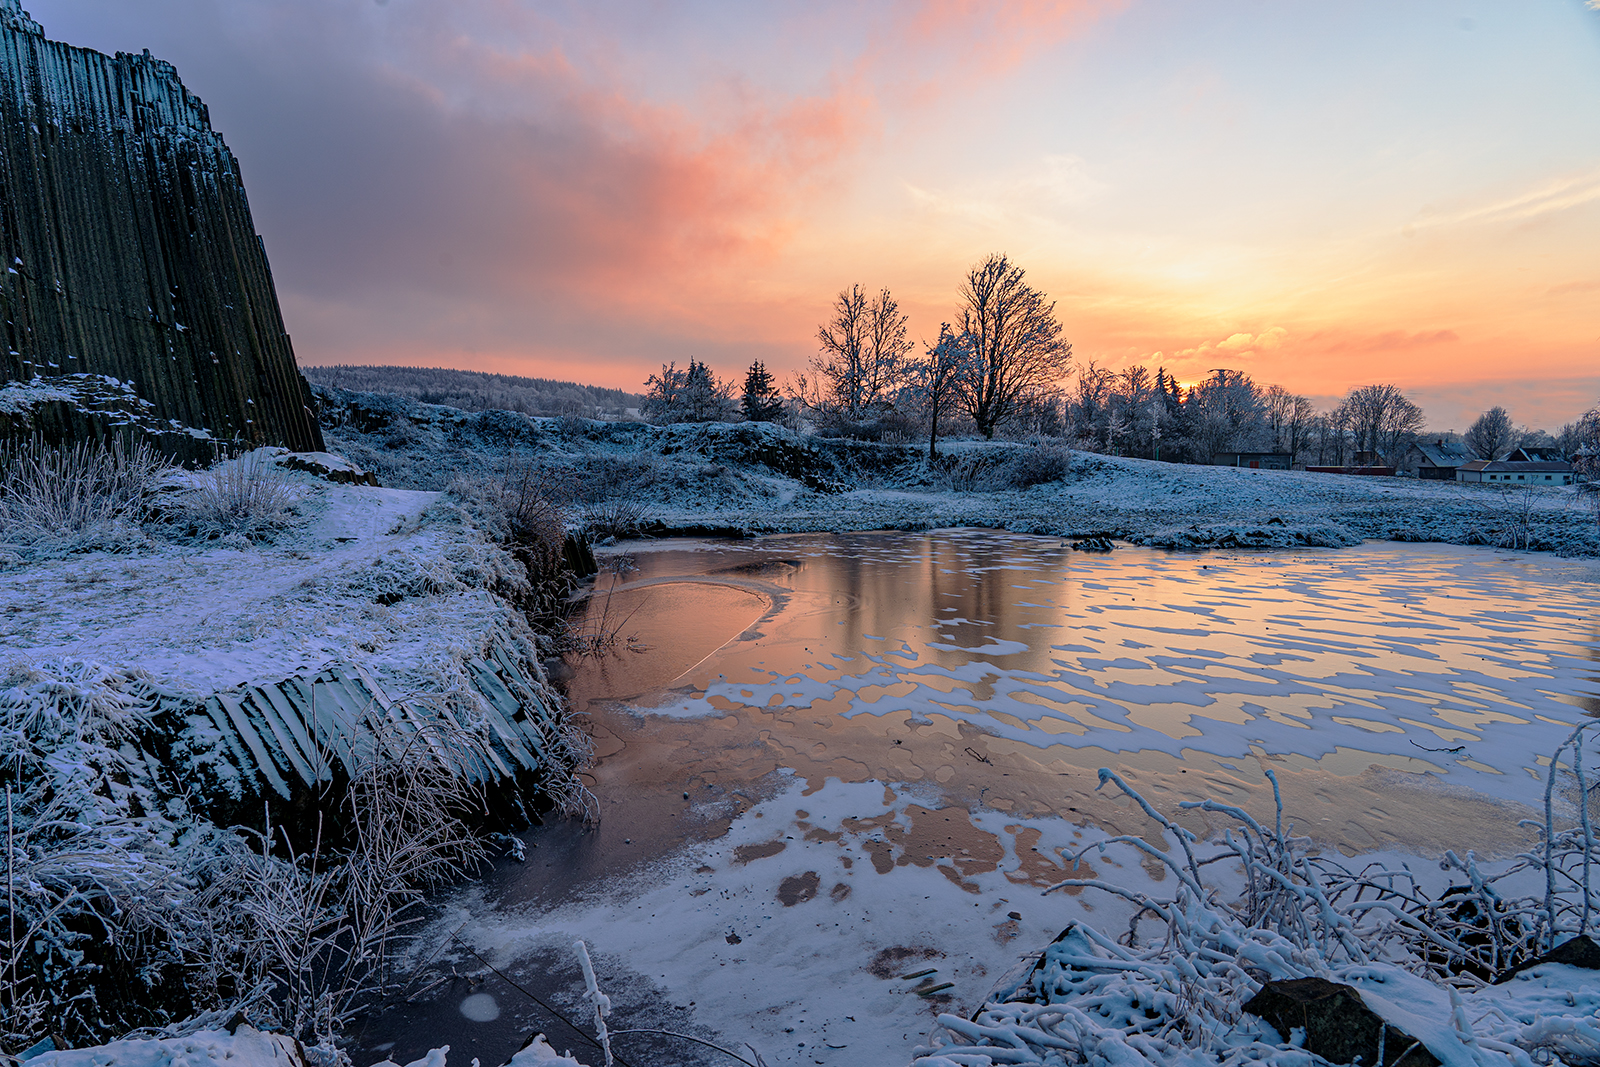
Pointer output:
1015, 339
863, 350
934, 379
1288, 419
1491, 435
1297, 428
1382, 419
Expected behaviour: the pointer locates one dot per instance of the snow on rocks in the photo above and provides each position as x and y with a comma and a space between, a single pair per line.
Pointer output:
368, 601
327, 466
245, 1047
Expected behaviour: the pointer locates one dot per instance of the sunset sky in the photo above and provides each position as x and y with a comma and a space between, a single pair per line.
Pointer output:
1323, 195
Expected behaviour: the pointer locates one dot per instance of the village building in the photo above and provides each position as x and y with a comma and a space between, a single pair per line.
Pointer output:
1516, 471
1435, 460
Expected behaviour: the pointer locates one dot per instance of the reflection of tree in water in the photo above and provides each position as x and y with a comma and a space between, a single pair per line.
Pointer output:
1590, 702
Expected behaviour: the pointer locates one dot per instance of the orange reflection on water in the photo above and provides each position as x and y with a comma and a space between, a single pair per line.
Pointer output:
857, 655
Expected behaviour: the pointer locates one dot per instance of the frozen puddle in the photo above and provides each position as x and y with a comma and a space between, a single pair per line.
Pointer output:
838, 769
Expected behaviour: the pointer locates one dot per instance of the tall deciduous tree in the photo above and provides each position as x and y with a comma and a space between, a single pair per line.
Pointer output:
861, 362
761, 402
1381, 418
1491, 434
1015, 341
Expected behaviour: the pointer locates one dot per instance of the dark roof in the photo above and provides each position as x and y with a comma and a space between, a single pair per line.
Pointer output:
1443, 453
1536, 455
1503, 465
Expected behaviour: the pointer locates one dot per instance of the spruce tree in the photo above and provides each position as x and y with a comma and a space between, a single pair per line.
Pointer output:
761, 401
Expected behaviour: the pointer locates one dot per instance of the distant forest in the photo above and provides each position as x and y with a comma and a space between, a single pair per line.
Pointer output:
472, 390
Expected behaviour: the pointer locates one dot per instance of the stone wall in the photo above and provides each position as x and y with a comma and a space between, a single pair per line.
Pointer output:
128, 246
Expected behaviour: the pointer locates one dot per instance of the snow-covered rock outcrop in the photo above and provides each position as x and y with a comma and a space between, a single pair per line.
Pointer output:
127, 244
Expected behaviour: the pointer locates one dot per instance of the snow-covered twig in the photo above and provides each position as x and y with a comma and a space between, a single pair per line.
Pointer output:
601, 1002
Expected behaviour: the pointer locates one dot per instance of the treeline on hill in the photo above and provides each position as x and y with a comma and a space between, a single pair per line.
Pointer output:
478, 391
1002, 368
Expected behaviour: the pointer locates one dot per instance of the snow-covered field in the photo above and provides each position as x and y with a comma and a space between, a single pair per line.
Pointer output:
760, 478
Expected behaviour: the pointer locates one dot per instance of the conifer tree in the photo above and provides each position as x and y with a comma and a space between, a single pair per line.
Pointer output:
761, 401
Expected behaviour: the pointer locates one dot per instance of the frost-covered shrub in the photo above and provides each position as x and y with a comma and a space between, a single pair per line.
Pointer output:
1177, 998
88, 872
396, 576
402, 433
615, 518
249, 495
300, 941
993, 470
572, 426
524, 508
1036, 466
611, 476
120, 908
66, 492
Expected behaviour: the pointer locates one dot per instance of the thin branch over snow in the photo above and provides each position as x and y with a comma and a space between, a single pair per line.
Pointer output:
1426, 964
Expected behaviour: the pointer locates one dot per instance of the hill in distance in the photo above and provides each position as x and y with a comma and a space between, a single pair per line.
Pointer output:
472, 390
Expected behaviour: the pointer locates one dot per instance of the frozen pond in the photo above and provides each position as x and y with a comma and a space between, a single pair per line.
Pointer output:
1458, 663
831, 760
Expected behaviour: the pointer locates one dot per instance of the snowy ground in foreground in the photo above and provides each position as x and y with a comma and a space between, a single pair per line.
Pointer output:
795, 929
807, 930
356, 573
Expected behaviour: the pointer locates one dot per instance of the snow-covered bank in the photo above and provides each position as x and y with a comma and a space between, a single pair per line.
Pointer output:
245, 1047
757, 477
249, 1047
236, 754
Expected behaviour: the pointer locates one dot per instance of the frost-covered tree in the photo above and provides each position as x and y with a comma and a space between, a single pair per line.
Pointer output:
1092, 401
860, 366
760, 401
1017, 350
1491, 434
1288, 420
1225, 413
1581, 441
932, 380
692, 395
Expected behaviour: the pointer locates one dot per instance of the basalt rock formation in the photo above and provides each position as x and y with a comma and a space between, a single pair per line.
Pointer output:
128, 248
